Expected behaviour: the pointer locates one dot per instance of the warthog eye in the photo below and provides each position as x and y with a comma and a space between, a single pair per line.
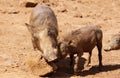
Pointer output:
50, 34
118, 41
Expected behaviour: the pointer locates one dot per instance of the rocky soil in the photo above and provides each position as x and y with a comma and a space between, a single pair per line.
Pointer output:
19, 60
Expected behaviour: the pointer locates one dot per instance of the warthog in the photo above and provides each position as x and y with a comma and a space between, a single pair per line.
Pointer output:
79, 41
44, 30
114, 43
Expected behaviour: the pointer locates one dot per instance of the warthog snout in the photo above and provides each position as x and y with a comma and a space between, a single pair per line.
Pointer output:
111, 46
107, 48
50, 56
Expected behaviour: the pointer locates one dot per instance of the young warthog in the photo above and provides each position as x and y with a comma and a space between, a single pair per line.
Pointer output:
44, 30
114, 43
79, 41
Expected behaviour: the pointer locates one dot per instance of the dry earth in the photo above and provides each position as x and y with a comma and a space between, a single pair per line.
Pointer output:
15, 40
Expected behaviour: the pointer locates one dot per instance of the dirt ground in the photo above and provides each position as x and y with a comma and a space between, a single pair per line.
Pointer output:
15, 40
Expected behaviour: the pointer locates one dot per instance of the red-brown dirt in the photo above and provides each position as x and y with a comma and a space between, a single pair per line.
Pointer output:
16, 45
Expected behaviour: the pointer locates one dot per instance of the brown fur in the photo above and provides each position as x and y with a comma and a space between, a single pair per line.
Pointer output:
44, 30
79, 41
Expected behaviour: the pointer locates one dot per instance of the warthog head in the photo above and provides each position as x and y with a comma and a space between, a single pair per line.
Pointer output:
65, 47
114, 43
62, 50
44, 39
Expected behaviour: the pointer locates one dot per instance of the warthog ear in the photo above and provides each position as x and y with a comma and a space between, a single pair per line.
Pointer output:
59, 49
71, 42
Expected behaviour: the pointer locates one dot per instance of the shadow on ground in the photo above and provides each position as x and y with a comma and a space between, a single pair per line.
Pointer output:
63, 71
95, 70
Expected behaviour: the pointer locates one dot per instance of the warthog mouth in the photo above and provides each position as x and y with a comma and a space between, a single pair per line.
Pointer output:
52, 63
107, 49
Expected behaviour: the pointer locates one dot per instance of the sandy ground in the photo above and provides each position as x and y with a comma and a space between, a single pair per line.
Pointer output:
15, 40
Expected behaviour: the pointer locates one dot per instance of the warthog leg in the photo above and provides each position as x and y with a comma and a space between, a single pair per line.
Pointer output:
89, 59
76, 64
71, 63
99, 46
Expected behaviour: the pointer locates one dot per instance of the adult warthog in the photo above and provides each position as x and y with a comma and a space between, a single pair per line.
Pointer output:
44, 30
79, 41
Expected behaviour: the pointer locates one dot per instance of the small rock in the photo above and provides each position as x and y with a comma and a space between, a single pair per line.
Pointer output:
63, 10
30, 4
14, 12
